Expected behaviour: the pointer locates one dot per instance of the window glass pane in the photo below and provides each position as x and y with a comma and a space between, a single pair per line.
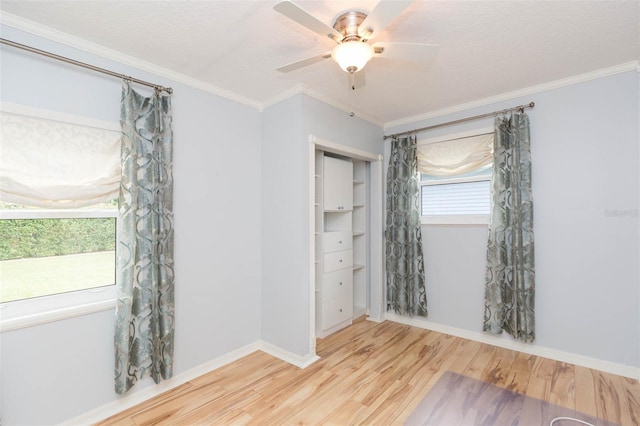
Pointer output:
470, 198
40, 257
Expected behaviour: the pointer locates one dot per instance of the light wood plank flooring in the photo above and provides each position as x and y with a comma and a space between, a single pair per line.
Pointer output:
376, 374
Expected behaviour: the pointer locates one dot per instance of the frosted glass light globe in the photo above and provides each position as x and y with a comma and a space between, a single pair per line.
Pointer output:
352, 56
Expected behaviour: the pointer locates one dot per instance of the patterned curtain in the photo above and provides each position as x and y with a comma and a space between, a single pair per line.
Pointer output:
509, 291
406, 293
144, 275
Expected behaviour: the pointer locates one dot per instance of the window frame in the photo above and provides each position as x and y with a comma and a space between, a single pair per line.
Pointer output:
454, 219
34, 311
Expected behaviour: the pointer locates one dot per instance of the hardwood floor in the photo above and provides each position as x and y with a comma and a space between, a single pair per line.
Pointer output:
377, 374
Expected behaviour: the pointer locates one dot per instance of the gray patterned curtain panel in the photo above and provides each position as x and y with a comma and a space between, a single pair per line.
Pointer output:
406, 293
510, 283
144, 275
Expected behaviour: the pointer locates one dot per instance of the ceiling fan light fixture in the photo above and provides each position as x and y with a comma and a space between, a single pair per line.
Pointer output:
352, 55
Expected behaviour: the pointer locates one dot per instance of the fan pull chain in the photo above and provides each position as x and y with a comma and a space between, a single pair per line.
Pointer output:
352, 89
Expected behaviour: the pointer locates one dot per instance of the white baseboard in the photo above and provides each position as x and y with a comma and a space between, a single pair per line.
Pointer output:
329, 331
291, 358
154, 390
532, 349
375, 319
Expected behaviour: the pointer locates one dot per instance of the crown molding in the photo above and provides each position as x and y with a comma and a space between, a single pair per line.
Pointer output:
113, 55
339, 105
283, 96
556, 84
306, 90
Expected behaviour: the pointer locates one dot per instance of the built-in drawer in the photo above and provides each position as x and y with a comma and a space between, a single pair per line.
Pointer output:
337, 283
336, 241
337, 310
338, 260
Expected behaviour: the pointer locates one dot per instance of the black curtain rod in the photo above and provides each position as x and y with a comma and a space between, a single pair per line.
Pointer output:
462, 120
84, 65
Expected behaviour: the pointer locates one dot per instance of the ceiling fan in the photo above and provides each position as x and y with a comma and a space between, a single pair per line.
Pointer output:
353, 30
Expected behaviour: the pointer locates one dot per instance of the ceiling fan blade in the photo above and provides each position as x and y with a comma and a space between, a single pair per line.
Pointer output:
381, 16
303, 63
414, 52
304, 18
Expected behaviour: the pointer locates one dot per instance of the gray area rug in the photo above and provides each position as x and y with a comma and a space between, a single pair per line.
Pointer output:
460, 400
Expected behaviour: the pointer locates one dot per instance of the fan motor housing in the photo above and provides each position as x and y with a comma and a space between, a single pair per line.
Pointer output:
347, 24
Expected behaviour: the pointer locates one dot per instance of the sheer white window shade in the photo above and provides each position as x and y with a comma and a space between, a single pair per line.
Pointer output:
455, 157
54, 164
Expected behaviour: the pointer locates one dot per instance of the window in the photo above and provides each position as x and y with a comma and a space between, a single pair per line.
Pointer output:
59, 180
450, 193
463, 199
45, 251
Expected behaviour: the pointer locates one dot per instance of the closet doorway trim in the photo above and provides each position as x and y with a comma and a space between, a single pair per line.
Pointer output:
376, 295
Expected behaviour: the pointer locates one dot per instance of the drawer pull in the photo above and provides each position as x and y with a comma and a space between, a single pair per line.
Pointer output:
340, 282
340, 242
340, 309
340, 260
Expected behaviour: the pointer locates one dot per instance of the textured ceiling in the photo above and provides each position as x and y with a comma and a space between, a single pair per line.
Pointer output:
486, 47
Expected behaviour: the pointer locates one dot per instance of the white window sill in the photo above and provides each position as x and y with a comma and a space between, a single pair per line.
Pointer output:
477, 220
42, 310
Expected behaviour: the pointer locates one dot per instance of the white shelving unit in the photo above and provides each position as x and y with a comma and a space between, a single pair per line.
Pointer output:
333, 243
359, 228
341, 241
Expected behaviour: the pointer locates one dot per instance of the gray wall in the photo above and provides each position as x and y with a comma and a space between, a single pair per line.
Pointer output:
59, 370
285, 241
285, 202
334, 125
585, 150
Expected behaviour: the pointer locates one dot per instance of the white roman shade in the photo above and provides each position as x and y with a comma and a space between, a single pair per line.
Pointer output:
55, 164
455, 157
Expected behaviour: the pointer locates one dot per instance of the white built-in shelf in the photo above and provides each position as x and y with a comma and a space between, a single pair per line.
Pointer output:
316, 176
358, 182
355, 206
356, 267
358, 234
